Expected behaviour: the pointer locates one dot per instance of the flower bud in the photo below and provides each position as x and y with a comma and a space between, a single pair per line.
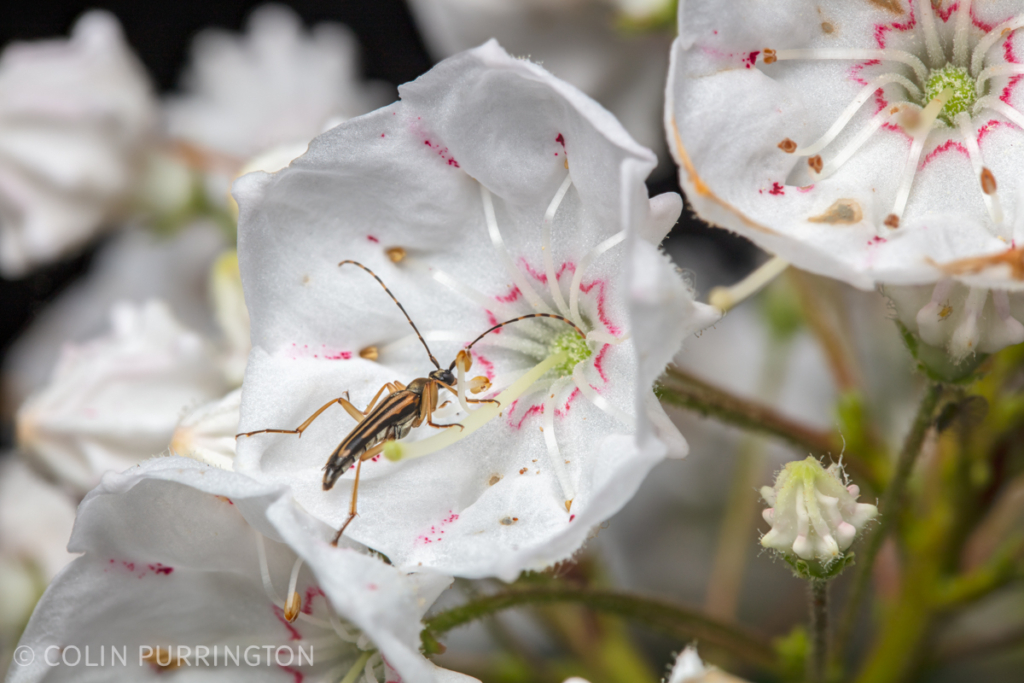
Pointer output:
815, 516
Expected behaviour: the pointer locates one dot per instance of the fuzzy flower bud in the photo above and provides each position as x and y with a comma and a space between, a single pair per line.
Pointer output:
814, 515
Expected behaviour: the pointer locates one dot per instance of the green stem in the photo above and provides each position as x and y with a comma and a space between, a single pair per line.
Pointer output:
890, 508
681, 389
658, 615
819, 630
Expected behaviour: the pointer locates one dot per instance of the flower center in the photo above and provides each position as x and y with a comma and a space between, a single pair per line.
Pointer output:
576, 351
964, 93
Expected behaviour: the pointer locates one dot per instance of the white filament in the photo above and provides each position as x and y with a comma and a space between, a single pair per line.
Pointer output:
598, 400
577, 277
931, 37
855, 144
549, 262
995, 210
928, 116
268, 585
1005, 69
854, 106
990, 38
997, 105
886, 55
554, 456
961, 34
499, 246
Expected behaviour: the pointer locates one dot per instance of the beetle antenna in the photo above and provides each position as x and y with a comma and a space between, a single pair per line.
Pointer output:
402, 308
515, 320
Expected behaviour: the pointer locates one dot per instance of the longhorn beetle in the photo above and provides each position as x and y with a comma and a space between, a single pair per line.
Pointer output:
404, 407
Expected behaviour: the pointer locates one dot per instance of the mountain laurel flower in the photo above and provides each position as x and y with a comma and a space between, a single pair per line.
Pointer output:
492, 190
117, 399
76, 116
277, 84
873, 142
207, 433
815, 515
185, 565
231, 315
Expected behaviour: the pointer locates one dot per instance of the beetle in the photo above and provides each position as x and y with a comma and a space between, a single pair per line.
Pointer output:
402, 409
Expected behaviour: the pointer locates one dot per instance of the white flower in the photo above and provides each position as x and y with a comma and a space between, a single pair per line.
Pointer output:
117, 399
182, 561
277, 84
492, 190
207, 434
75, 116
873, 142
134, 266
576, 40
815, 514
231, 314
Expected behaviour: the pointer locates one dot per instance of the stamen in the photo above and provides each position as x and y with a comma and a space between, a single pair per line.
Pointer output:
863, 96
555, 458
598, 400
341, 630
479, 384
855, 144
1010, 331
268, 585
984, 175
462, 363
727, 298
994, 71
961, 34
369, 353
858, 54
990, 38
549, 262
924, 127
294, 604
357, 668
995, 104
499, 246
396, 254
965, 338
934, 313
605, 338
577, 277
931, 37
400, 450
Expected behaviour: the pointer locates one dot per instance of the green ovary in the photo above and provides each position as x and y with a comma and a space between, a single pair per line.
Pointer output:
959, 80
575, 347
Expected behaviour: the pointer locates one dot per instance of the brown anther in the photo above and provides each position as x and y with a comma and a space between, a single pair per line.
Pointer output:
478, 384
815, 163
568, 504
892, 221
909, 119
988, 181
769, 56
369, 353
566, 163
293, 607
827, 27
396, 254
787, 146
463, 360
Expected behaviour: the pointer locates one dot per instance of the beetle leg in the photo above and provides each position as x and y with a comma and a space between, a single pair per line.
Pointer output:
355, 491
342, 401
427, 409
468, 400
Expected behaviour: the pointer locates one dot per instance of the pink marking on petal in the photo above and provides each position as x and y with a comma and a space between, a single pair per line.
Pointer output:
488, 366
297, 675
565, 409
1010, 56
572, 517
599, 363
311, 593
130, 566
612, 329
510, 297
805, 189
160, 569
876, 240
293, 633
987, 128
942, 149
777, 190
560, 140
371, 586
750, 59
373, 239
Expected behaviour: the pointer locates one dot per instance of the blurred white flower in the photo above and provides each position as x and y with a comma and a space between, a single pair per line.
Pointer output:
75, 118
871, 142
576, 40
277, 84
231, 315
815, 514
134, 266
207, 434
116, 400
180, 559
492, 190
35, 525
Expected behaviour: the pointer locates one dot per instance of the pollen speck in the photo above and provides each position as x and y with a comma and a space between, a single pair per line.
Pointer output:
509, 521
396, 254
495, 478
787, 146
988, 181
566, 163
827, 27
522, 471
845, 211
369, 353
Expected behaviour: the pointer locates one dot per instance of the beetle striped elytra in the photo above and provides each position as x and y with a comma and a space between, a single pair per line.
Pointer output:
403, 408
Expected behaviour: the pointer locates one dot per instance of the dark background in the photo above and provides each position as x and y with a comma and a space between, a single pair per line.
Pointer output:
161, 32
